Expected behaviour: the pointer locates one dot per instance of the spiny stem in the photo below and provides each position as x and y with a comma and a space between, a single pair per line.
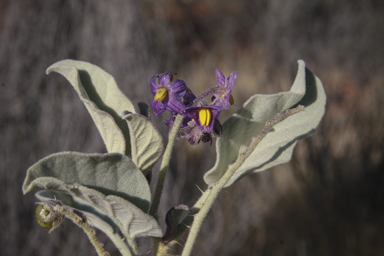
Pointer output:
215, 189
164, 165
160, 249
89, 231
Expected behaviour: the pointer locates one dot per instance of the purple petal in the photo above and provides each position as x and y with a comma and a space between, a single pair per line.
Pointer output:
165, 79
158, 107
189, 97
193, 112
220, 78
175, 105
178, 88
169, 122
153, 83
193, 141
215, 111
231, 80
223, 102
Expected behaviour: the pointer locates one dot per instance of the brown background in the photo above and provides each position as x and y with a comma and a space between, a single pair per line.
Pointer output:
327, 201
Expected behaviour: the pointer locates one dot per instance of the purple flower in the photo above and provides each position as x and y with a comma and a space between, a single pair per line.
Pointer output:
193, 133
200, 121
222, 93
167, 93
189, 97
204, 116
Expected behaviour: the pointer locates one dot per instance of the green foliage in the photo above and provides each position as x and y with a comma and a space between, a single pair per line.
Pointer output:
277, 147
110, 174
146, 142
109, 184
111, 190
103, 99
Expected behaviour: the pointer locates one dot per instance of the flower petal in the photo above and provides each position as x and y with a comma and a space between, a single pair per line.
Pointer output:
166, 78
178, 88
158, 107
175, 105
231, 80
220, 78
154, 84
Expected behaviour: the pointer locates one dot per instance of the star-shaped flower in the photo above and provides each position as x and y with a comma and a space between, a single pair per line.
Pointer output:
222, 93
167, 93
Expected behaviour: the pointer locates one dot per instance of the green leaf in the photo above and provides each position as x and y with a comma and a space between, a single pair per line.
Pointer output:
277, 147
110, 174
103, 99
146, 142
110, 183
101, 220
131, 220
94, 217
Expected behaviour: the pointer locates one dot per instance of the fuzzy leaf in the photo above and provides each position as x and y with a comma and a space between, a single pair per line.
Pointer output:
110, 174
103, 99
277, 147
146, 141
131, 220
100, 220
94, 216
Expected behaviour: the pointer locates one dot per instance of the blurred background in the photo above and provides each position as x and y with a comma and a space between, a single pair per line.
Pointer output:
329, 200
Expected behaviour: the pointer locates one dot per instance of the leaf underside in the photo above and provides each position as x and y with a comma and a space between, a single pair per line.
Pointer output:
108, 184
103, 99
277, 147
146, 142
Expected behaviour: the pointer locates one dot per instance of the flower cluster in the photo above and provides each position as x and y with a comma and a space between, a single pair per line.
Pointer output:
200, 121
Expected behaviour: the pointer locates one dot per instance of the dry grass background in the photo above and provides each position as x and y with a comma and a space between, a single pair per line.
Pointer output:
329, 200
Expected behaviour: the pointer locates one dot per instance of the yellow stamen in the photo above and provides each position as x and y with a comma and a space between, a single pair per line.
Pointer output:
231, 100
205, 116
161, 94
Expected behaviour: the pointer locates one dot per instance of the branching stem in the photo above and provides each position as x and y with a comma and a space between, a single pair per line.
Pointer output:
214, 190
89, 231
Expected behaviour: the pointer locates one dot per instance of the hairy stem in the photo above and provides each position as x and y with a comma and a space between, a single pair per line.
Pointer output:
164, 165
215, 189
89, 231
159, 248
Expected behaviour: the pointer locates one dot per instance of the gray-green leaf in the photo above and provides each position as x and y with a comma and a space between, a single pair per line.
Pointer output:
94, 216
101, 220
110, 174
146, 141
277, 147
132, 221
103, 99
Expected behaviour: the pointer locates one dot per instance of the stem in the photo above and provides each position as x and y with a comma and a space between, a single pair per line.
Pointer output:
202, 214
89, 231
215, 189
160, 249
164, 165
186, 223
120, 244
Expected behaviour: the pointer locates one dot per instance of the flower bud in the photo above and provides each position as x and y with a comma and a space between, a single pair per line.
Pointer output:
41, 215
